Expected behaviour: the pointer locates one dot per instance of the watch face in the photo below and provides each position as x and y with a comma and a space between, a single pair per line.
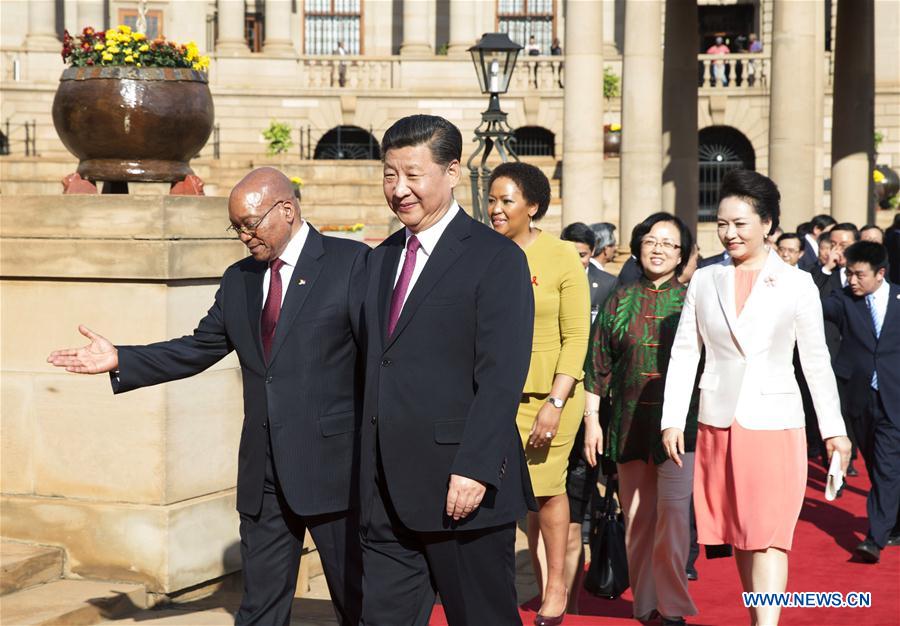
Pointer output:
555, 402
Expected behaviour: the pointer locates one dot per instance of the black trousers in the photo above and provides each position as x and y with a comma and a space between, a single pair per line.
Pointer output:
271, 542
879, 443
473, 571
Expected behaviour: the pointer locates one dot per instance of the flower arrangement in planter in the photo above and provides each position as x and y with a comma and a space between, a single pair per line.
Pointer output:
342, 228
132, 109
123, 46
297, 182
612, 139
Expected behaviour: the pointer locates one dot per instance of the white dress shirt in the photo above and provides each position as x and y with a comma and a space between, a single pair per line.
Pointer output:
596, 263
428, 239
814, 243
290, 256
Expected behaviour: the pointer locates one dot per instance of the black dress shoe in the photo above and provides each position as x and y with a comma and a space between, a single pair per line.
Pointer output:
893, 540
851, 471
868, 551
691, 573
674, 621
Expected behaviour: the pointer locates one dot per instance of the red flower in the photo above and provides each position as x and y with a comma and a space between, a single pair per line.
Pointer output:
88, 31
90, 61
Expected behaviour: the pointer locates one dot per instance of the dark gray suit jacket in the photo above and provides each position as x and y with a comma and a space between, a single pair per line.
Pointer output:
307, 398
601, 284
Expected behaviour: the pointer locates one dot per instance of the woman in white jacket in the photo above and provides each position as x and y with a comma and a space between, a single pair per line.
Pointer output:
750, 462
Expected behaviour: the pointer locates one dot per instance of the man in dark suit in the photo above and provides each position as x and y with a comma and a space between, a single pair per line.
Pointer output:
449, 317
867, 312
292, 311
601, 283
817, 225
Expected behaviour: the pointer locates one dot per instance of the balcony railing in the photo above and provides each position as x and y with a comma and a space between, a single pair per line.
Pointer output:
733, 73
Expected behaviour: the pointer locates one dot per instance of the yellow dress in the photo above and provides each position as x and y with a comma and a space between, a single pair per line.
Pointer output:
562, 315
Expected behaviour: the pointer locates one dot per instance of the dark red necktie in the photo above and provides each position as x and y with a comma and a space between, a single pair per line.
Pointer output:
402, 286
272, 309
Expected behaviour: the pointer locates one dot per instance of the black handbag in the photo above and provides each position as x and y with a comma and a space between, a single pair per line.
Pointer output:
607, 576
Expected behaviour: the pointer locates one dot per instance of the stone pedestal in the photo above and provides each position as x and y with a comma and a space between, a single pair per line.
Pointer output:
136, 487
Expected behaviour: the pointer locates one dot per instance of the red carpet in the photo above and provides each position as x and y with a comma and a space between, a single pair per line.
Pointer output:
820, 561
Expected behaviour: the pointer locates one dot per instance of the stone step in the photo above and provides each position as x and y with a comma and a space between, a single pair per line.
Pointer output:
24, 565
72, 603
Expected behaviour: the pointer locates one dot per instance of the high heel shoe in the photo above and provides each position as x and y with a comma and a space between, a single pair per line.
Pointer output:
543, 620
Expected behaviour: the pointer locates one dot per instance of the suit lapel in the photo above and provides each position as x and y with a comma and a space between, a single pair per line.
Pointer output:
724, 281
393, 248
891, 319
253, 281
442, 258
303, 278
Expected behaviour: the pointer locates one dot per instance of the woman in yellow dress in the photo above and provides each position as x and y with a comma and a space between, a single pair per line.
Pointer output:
552, 403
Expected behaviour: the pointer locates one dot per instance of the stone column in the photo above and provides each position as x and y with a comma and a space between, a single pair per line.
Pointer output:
42, 26
853, 122
231, 39
680, 177
792, 104
640, 183
462, 27
582, 179
416, 35
819, 180
278, 29
90, 13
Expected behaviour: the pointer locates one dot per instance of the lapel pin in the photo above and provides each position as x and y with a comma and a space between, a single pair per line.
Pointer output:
301, 281
594, 285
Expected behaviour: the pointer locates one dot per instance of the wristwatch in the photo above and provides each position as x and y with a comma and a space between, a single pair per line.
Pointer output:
556, 402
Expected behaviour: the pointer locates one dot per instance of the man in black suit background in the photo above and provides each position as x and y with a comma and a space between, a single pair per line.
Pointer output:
449, 317
601, 282
867, 366
817, 225
292, 311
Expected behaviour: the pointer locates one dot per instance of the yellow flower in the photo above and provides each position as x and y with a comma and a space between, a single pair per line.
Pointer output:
125, 29
107, 56
138, 36
114, 49
99, 46
128, 51
144, 48
297, 181
129, 59
877, 176
137, 64
615, 127
192, 51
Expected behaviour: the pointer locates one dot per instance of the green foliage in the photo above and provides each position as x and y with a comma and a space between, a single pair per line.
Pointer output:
877, 139
278, 135
611, 84
442, 50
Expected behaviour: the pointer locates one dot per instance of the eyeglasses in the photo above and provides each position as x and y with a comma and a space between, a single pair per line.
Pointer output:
665, 244
250, 230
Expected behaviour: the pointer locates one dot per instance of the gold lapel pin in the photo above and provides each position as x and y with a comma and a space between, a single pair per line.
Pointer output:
301, 282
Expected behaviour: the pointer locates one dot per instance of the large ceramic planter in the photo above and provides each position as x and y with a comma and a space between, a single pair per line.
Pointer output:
612, 141
133, 124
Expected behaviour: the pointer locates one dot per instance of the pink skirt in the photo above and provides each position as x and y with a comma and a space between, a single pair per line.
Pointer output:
749, 486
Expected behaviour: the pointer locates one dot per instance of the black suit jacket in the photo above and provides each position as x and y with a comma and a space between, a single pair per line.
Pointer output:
308, 397
827, 284
601, 284
712, 260
862, 353
809, 259
443, 391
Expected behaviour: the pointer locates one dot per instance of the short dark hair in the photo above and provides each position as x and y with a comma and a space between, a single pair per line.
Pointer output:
758, 190
848, 227
442, 138
785, 236
531, 181
804, 229
869, 252
822, 221
579, 232
687, 239
824, 237
870, 227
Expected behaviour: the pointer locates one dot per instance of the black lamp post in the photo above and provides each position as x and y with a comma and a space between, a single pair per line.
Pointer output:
495, 59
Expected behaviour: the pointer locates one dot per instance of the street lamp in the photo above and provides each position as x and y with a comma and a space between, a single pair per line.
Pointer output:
494, 57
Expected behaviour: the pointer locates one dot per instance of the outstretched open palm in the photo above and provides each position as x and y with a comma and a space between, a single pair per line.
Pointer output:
97, 357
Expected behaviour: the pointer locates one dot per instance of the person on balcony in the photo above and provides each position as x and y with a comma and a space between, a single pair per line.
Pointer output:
718, 66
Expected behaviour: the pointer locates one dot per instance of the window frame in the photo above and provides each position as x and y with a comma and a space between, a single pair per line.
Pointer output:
362, 23
554, 16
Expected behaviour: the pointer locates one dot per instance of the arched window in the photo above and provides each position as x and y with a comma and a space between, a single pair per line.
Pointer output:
534, 141
720, 149
347, 142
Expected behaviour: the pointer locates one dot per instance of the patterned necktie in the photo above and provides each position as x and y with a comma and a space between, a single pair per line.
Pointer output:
876, 323
402, 286
272, 309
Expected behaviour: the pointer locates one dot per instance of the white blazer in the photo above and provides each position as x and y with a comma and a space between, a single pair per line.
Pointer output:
749, 372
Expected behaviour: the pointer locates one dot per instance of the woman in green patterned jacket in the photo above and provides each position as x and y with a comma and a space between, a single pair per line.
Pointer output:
627, 358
